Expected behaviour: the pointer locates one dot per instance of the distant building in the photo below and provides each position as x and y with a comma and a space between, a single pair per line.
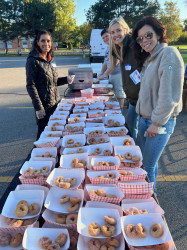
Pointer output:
24, 43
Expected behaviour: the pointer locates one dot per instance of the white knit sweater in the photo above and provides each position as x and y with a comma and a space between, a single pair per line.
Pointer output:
162, 78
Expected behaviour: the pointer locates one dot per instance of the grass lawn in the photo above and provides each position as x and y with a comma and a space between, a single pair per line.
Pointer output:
182, 48
185, 59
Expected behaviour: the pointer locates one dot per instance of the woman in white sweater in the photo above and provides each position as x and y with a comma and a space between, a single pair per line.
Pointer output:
160, 96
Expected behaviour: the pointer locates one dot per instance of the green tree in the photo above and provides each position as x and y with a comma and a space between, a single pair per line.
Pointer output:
170, 17
102, 12
85, 30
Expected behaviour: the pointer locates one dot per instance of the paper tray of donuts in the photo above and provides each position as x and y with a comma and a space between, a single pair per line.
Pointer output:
11, 240
116, 131
103, 177
105, 163
136, 187
132, 175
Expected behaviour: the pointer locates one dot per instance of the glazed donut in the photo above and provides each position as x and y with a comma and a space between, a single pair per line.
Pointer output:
74, 162
113, 242
110, 176
106, 152
156, 230
109, 220
54, 246
130, 231
111, 196
72, 207
143, 211
92, 141
34, 208
23, 202
44, 242
120, 157
36, 172
14, 222
97, 151
141, 230
99, 177
83, 162
127, 142
135, 158
21, 211
108, 230
5, 239
101, 192
101, 140
16, 240
78, 144
75, 200
70, 141
80, 150
60, 218
132, 211
111, 163
61, 239
71, 219
94, 229
63, 199
44, 169
58, 180
94, 244
72, 181
128, 156
117, 124
28, 222
64, 185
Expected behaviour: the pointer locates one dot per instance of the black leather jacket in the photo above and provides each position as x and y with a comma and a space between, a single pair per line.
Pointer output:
42, 81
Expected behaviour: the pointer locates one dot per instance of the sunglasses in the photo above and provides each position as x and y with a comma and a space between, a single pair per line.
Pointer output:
148, 35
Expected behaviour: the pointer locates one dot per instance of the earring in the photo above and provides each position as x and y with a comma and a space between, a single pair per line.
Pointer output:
141, 50
158, 42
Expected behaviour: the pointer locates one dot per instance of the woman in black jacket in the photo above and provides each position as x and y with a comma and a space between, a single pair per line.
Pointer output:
42, 79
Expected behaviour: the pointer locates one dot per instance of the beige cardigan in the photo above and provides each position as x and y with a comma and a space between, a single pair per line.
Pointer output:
162, 78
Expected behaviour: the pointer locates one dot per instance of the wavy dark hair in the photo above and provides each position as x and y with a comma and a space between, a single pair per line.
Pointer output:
37, 38
160, 30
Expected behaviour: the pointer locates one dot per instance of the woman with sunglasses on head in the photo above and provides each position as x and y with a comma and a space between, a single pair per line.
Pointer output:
120, 49
160, 96
42, 78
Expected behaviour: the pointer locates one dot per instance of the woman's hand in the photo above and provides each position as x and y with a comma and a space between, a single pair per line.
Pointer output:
40, 114
70, 79
102, 77
152, 130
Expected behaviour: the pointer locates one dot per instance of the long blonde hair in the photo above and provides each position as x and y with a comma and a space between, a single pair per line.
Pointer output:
113, 47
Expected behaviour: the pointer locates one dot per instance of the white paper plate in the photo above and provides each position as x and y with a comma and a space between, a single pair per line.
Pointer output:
147, 220
119, 140
33, 187
65, 160
36, 165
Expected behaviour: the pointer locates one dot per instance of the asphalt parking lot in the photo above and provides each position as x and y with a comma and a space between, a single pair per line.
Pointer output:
18, 132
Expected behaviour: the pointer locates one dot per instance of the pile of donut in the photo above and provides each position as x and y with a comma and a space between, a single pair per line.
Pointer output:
60, 182
31, 171
53, 135
122, 131
96, 132
7, 239
101, 193
126, 173
74, 128
76, 163
72, 144
78, 151
46, 242
109, 244
20, 223
66, 219
98, 151
94, 141
108, 229
46, 155
23, 208
107, 176
112, 123
74, 202
134, 210
105, 164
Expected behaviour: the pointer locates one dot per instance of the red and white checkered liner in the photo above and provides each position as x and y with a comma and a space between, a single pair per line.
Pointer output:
138, 196
139, 174
91, 120
33, 181
136, 187
87, 95
114, 159
123, 166
171, 247
93, 180
94, 114
48, 144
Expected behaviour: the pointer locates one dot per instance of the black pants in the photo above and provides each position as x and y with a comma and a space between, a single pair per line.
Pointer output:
42, 123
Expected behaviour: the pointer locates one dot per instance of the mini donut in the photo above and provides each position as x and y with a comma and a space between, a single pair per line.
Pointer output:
75, 200
102, 164
94, 244
101, 140
101, 192
110, 176
111, 196
106, 152
58, 180
122, 130
111, 163
135, 158
34, 208
16, 240
21, 211
141, 230
117, 124
109, 220
123, 172
99, 177
110, 122
130, 231
70, 146
44, 169
130, 173
60, 218
64, 185
93, 192
71, 152
29, 171
127, 142
44, 242
71, 219
132, 211
14, 222
54, 246
80, 150
120, 157
108, 230
36, 172
94, 229
61, 239
63, 199
92, 141
83, 162
72, 207
156, 230
113, 242
72, 181
5, 239
143, 211
134, 164
76, 119
78, 144
23, 202
97, 151
128, 156
70, 141
106, 246
28, 222
74, 162
79, 165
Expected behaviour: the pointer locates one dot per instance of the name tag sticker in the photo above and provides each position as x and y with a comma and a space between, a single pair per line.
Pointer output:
53, 64
135, 76
127, 67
